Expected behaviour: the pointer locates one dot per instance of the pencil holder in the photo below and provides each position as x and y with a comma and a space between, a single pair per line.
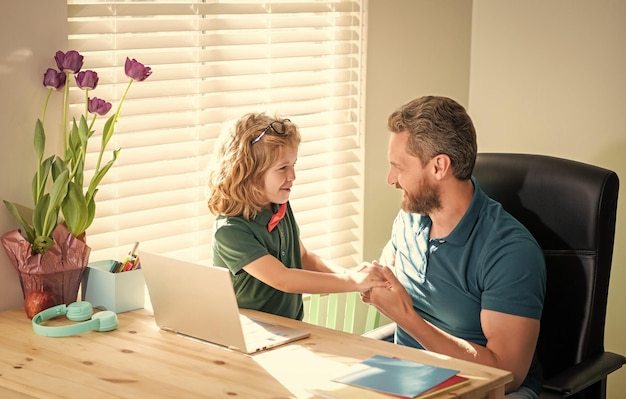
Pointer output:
118, 292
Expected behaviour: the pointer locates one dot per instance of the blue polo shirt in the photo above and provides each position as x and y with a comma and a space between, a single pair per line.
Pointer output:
489, 261
237, 242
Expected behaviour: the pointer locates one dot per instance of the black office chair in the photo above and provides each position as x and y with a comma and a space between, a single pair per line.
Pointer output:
570, 208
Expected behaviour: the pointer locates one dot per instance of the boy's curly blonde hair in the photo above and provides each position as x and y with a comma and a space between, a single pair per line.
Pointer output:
236, 181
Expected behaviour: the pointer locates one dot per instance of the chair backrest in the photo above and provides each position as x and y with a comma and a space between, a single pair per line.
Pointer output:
570, 208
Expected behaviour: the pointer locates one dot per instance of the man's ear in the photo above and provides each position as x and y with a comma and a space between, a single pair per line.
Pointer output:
441, 164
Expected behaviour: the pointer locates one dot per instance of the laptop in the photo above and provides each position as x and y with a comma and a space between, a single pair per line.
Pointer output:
198, 301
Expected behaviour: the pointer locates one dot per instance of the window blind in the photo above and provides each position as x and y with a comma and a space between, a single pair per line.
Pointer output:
214, 61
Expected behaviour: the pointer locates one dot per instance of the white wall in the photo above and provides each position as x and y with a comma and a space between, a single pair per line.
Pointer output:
549, 77
32, 31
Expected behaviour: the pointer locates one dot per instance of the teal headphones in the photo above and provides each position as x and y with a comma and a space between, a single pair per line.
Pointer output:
81, 311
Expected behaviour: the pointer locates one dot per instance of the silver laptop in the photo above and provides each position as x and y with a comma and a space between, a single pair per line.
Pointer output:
199, 301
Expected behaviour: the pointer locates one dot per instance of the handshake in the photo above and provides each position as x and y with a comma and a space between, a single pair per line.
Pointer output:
370, 275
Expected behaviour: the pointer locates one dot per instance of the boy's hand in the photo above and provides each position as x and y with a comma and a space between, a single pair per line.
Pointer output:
367, 276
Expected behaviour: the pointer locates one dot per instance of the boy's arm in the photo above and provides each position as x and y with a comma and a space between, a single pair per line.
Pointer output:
311, 261
272, 272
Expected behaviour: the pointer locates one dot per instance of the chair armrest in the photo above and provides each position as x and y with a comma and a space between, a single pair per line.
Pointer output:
584, 374
383, 333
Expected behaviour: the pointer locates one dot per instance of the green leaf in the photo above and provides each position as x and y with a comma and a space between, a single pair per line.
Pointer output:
28, 229
91, 210
40, 179
42, 243
108, 130
52, 219
40, 215
40, 140
59, 166
59, 189
83, 131
49, 216
97, 178
73, 144
79, 174
44, 168
74, 209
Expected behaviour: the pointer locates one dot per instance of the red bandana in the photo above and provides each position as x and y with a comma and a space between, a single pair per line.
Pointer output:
277, 217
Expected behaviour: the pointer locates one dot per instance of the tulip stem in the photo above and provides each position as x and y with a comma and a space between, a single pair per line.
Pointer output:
107, 134
86, 103
93, 121
66, 93
45, 106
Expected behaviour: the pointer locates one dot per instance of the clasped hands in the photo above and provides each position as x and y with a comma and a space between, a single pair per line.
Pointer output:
389, 298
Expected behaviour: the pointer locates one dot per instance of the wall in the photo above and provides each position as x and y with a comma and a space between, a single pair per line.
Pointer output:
414, 48
32, 31
548, 77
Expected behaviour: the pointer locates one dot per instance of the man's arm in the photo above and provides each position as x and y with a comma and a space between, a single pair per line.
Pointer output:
511, 339
388, 255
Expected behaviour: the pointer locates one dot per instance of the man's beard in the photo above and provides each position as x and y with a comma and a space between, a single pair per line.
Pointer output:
425, 201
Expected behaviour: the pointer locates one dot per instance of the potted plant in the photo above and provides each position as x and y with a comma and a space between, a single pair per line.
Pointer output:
50, 251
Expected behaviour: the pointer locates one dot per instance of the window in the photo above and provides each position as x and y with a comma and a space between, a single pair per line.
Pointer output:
214, 61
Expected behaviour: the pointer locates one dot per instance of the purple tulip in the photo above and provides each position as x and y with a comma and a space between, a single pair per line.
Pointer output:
136, 70
70, 61
53, 79
98, 106
87, 79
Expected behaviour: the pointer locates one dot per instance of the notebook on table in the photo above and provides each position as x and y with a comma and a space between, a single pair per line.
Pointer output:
199, 301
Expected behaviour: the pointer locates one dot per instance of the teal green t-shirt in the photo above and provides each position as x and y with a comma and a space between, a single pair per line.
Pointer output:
237, 242
489, 261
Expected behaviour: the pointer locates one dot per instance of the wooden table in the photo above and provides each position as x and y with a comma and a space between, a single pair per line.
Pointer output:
138, 360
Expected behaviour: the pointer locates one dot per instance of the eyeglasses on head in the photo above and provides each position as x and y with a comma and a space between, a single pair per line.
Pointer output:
276, 126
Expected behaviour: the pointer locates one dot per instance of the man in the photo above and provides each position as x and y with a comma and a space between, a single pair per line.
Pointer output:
467, 280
